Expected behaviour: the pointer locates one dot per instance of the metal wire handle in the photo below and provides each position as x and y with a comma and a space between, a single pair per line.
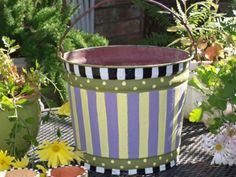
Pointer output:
60, 48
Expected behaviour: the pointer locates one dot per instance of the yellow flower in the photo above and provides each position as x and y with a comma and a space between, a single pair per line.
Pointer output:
44, 170
64, 110
56, 153
5, 161
79, 156
23, 163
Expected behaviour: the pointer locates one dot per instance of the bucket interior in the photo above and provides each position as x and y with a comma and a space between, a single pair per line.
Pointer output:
126, 56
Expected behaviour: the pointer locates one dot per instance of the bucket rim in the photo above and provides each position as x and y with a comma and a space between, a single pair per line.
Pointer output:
188, 58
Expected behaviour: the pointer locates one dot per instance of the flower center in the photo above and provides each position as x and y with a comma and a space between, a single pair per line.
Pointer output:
218, 147
56, 148
2, 161
231, 133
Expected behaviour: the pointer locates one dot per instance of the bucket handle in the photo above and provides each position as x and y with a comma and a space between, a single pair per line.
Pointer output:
60, 47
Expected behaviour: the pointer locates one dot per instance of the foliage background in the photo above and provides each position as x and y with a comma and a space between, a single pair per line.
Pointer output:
37, 26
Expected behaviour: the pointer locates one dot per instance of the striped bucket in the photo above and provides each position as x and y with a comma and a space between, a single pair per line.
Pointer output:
127, 106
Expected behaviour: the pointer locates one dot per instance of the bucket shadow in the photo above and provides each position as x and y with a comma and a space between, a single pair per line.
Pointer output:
194, 161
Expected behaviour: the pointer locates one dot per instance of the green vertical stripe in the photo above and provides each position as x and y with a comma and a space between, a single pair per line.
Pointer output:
162, 121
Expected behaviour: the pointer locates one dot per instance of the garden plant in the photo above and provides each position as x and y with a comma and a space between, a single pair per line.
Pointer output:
214, 33
37, 27
19, 93
19, 102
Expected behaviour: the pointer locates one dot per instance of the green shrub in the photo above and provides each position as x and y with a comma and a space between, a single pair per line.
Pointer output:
37, 27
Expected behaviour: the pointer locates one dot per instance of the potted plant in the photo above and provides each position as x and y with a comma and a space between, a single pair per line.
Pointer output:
19, 102
217, 83
213, 32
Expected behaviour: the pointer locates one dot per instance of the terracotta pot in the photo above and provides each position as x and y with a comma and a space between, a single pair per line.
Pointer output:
126, 104
69, 171
19, 173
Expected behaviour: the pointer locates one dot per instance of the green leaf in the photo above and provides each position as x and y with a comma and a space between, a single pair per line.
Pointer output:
31, 139
12, 119
231, 118
27, 89
172, 29
7, 102
215, 126
34, 141
23, 102
17, 127
30, 120
194, 82
26, 137
174, 42
181, 12
218, 102
186, 41
196, 115
45, 118
6, 41
14, 48
2, 88
58, 133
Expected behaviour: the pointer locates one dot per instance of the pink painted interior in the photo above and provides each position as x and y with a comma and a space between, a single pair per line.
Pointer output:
126, 55
72, 171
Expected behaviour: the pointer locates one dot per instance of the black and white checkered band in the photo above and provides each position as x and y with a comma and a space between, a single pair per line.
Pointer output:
145, 171
104, 73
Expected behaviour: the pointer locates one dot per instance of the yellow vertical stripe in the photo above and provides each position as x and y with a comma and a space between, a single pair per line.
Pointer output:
176, 115
87, 128
162, 121
122, 124
75, 116
102, 124
144, 124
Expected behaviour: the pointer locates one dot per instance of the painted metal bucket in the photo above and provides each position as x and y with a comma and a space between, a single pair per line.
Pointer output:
127, 106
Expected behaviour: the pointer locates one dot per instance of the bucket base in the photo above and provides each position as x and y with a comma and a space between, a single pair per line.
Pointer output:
144, 171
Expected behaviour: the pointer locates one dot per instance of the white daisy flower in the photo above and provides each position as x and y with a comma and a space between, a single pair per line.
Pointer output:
208, 143
221, 149
230, 132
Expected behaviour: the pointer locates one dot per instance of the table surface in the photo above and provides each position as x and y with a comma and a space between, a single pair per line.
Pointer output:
193, 160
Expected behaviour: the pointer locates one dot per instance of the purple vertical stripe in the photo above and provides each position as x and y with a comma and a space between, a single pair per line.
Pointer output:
80, 118
169, 119
72, 117
92, 103
178, 131
153, 123
133, 125
112, 123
